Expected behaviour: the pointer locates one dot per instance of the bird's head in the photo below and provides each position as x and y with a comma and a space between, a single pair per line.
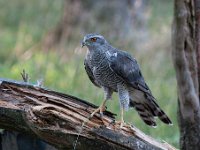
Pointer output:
93, 40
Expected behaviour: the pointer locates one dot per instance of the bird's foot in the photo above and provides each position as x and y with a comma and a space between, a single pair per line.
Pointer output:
101, 109
121, 124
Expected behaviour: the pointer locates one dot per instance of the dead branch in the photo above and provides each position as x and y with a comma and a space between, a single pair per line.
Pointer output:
57, 119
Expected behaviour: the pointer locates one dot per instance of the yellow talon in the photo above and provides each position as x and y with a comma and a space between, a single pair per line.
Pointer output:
100, 109
121, 122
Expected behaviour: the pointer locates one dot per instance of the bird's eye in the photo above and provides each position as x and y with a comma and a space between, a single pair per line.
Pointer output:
93, 39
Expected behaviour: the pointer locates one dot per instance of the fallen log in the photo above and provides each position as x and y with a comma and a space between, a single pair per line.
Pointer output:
58, 118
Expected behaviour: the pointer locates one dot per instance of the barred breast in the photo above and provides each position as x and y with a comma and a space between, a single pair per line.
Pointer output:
102, 72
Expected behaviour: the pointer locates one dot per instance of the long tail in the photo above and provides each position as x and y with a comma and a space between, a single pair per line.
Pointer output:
149, 110
160, 113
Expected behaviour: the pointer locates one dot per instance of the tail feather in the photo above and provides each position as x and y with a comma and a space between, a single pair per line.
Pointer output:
148, 112
147, 107
160, 113
145, 115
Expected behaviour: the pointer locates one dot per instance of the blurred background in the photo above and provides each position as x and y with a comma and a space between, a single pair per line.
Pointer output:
43, 37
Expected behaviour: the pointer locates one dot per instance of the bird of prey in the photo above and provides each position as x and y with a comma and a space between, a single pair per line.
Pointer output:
115, 70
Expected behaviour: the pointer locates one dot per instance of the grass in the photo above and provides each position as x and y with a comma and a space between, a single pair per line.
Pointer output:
24, 23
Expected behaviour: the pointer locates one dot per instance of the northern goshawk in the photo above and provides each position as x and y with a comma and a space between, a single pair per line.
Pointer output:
115, 70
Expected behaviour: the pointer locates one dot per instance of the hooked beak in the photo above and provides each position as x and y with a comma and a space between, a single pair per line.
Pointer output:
82, 43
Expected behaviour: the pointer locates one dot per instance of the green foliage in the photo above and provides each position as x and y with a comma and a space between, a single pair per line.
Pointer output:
23, 24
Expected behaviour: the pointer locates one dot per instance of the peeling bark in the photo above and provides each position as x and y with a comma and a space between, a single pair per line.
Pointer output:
57, 118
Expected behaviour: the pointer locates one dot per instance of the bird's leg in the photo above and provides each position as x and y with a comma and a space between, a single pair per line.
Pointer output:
100, 109
124, 102
107, 95
121, 122
122, 117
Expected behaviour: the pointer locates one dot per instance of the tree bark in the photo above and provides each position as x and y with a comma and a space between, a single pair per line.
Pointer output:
185, 61
57, 119
197, 19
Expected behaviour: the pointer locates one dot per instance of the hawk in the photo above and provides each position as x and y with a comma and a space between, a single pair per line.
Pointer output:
115, 70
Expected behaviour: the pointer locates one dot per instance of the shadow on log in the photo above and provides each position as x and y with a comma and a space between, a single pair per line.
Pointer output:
12, 140
57, 119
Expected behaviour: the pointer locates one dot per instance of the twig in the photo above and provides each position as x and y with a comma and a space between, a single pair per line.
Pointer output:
25, 76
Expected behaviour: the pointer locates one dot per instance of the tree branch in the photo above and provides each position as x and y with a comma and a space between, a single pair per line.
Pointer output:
57, 119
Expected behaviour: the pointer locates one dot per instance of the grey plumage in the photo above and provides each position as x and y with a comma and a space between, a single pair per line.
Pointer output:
116, 71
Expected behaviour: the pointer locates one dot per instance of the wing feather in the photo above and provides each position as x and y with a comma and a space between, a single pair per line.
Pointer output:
128, 69
90, 73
